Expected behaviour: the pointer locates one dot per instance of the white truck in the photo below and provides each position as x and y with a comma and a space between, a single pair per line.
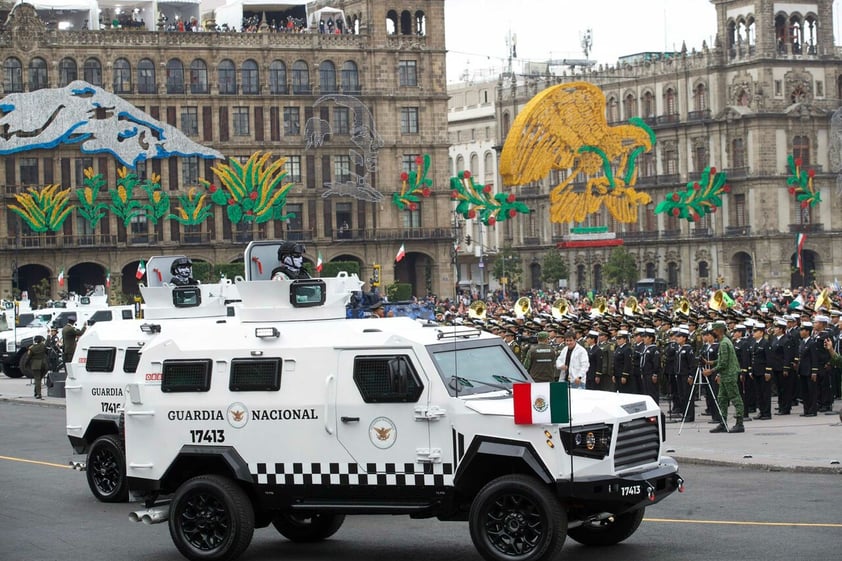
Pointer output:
106, 361
295, 416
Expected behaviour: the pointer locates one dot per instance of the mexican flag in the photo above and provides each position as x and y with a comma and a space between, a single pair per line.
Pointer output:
401, 254
61, 277
319, 262
799, 247
541, 403
108, 278
141, 270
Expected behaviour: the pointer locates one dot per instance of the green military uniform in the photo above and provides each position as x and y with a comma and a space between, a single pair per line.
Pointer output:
69, 335
728, 369
606, 376
540, 360
36, 360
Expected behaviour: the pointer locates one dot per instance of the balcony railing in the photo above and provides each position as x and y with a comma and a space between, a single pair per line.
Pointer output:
667, 119
733, 231
701, 115
806, 228
741, 171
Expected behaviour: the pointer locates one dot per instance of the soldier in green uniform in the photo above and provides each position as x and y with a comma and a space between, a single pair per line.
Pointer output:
727, 371
69, 335
605, 379
540, 359
36, 361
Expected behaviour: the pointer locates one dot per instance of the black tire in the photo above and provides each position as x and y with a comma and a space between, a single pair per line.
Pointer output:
106, 470
517, 518
211, 518
608, 533
303, 528
12, 371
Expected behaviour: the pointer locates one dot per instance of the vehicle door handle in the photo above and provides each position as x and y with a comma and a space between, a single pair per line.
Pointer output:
349, 419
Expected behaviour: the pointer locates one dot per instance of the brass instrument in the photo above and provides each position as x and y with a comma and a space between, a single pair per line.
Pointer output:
823, 300
477, 310
631, 307
683, 307
599, 307
717, 301
523, 307
560, 308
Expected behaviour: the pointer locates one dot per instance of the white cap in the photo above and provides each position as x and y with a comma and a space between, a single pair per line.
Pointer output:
821, 318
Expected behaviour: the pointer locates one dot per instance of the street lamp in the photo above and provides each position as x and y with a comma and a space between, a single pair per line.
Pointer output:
458, 222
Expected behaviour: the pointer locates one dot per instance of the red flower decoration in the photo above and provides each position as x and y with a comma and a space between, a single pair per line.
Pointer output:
792, 190
675, 197
472, 214
695, 217
454, 194
727, 188
253, 195
232, 201
419, 160
425, 192
798, 162
510, 198
487, 188
805, 204
466, 174
696, 186
212, 188
675, 212
413, 206
811, 173
404, 176
713, 171
249, 212
512, 212
492, 221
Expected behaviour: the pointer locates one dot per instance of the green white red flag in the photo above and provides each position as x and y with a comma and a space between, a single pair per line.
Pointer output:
799, 247
319, 263
141, 270
541, 403
61, 277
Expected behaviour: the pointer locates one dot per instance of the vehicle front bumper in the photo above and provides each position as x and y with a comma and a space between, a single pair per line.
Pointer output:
623, 493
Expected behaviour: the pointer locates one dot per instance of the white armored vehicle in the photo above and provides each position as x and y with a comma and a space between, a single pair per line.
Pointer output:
106, 361
296, 417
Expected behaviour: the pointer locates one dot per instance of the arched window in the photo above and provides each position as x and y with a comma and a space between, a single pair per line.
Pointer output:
796, 34
327, 77
672, 274
460, 164
122, 76
12, 75
704, 270
251, 78
474, 165
597, 278
146, 77
350, 78
670, 102
630, 106
648, 105
420, 23
300, 77
67, 71
406, 23
175, 76
277, 78
700, 99
613, 110
801, 149
507, 123
198, 77
227, 78
580, 277
37, 74
650, 270
738, 153
391, 22
489, 167
92, 72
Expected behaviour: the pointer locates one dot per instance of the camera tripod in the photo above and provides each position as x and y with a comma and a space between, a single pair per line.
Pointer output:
700, 381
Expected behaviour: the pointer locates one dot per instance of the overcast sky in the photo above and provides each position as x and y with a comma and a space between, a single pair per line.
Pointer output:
552, 29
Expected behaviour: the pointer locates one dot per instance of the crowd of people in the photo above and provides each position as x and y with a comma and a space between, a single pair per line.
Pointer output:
728, 347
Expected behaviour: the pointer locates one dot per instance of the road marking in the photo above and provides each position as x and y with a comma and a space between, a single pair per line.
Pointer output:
25, 461
745, 523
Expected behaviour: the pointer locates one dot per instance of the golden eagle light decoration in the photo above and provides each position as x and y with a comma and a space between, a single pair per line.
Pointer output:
564, 128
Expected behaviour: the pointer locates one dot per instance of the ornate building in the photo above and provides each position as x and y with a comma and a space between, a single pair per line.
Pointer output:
765, 91
349, 110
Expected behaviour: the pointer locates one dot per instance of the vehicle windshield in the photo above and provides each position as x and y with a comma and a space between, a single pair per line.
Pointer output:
476, 368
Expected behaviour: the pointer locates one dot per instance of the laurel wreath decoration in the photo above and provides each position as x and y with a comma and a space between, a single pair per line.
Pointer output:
700, 198
414, 185
475, 200
801, 183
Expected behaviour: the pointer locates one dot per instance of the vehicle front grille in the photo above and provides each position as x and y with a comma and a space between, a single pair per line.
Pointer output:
638, 443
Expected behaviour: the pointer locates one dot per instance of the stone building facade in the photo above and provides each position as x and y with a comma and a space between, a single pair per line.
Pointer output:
766, 89
376, 98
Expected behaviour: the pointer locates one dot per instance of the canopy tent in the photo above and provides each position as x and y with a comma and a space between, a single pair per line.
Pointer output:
66, 14
233, 14
325, 15
178, 10
138, 14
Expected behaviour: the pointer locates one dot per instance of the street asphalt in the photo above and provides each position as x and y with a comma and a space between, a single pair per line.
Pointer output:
791, 442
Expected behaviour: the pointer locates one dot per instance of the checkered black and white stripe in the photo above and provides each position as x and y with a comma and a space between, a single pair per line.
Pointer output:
399, 475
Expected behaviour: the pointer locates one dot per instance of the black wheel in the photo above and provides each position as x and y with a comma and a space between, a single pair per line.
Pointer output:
12, 371
608, 532
516, 518
308, 528
211, 518
106, 470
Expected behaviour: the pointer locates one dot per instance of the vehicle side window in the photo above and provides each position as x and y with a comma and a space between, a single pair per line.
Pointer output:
131, 360
249, 374
127, 314
100, 359
186, 375
387, 379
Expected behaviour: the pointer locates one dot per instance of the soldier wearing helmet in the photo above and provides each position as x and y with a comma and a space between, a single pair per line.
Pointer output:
182, 270
291, 260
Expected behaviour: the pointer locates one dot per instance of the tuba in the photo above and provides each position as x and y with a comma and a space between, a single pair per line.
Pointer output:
523, 307
823, 300
631, 307
560, 308
717, 300
682, 308
599, 307
477, 310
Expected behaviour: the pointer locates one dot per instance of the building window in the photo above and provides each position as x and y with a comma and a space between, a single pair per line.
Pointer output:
80, 165
670, 161
408, 162
67, 71
738, 153
647, 164
92, 72
227, 78
700, 102
672, 274
670, 103
650, 270
411, 218
613, 110
700, 155
198, 77
277, 78
139, 228
29, 171
12, 75
189, 170
190, 121
350, 78
122, 76
801, 149
407, 73
293, 167
241, 121
704, 270
409, 120
175, 77
251, 78
327, 77
343, 218
740, 210
342, 169
146, 77
300, 77
630, 106
341, 120
648, 105
292, 123
37, 74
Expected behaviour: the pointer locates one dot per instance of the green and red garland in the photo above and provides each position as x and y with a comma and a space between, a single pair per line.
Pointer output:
476, 201
414, 185
801, 183
698, 199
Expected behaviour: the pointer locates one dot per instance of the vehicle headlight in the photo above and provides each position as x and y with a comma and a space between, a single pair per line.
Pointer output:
592, 441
